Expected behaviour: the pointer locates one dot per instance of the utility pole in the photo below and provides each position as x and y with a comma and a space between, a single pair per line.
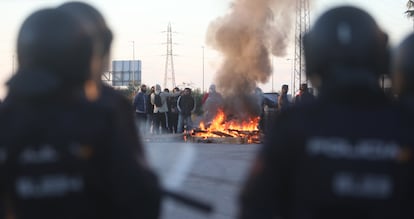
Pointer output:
302, 26
169, 62
203, 68
13, 63
273, 73
133, 63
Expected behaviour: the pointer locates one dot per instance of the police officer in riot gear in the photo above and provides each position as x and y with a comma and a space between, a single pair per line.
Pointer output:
332, 159
119, 106
62, 155
403, 72
95, 90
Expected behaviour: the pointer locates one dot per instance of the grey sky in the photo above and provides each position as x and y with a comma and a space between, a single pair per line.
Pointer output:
144, 22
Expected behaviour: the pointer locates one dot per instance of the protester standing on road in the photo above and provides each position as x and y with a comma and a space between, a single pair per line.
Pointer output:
212, 104
186, 105
160, 110
304, 95
173, 115
150, 111
283, 101
332, 159
140, 105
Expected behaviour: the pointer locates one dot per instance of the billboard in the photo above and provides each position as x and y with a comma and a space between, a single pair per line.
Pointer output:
124, 72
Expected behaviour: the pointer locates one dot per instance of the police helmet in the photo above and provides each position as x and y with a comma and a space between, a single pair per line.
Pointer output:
346, 37
93, 21
52, 43
403, 66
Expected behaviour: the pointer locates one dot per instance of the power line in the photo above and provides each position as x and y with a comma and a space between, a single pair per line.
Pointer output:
169, 61
301, 27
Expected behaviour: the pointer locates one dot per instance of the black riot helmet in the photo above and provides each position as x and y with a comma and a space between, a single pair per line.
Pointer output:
53, 53
346, 38
403, 67
93, 21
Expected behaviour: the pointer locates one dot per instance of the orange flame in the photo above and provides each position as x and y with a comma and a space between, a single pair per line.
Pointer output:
219, 124
229, 128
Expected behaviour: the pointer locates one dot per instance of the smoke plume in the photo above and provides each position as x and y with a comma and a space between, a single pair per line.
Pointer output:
245, 37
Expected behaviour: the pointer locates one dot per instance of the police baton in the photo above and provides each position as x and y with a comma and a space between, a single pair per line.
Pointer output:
189, 201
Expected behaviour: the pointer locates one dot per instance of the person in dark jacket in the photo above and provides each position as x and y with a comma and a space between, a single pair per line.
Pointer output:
62, 153
186, 105
173, 110
140, 102
304, 95
332, 159
140, 105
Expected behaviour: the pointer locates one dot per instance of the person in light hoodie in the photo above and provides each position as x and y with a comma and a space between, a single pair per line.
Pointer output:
160, 112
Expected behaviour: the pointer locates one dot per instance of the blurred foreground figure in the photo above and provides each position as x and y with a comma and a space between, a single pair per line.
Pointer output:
403, 72
94, 24
119, 107
345, 155
63, 155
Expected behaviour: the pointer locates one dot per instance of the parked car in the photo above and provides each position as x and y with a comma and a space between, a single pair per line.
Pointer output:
270, 101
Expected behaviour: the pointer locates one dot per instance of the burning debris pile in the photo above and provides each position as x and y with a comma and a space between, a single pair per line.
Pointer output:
246, 36
220, 130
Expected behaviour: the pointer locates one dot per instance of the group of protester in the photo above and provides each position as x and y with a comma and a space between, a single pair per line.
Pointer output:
304, 96
69, 147
175, 110
160, 111
173, 114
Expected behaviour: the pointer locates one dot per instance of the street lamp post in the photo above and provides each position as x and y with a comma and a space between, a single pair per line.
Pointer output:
13, 60
203, 68
133, 63
292, 76
273, 73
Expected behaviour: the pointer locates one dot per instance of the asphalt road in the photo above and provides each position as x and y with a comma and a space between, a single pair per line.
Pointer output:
215, 175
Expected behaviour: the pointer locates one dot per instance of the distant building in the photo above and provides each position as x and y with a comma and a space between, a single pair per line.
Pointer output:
124, 72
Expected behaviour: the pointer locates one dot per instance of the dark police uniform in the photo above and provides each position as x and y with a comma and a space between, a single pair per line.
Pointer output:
349, 154
61, 155
71, 158
403, 73
124, 113
333, 159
